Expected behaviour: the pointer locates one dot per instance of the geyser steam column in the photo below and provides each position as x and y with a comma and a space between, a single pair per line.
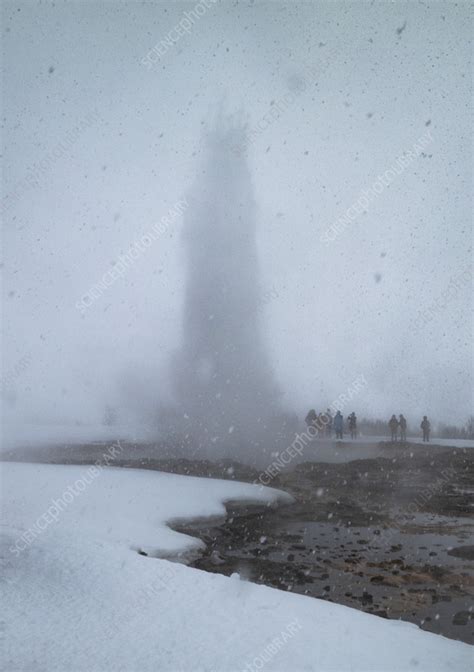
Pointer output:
224, 385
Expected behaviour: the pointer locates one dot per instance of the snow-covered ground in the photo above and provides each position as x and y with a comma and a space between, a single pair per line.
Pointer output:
457, 443
79, 596
26, 435
363, 448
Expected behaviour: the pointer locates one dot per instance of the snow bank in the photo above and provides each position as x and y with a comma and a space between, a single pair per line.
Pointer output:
80, 599
124, 507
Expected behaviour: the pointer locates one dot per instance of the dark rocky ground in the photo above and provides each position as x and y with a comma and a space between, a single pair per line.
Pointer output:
392, 535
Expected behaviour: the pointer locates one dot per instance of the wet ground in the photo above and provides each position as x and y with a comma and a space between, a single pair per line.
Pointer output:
391, 535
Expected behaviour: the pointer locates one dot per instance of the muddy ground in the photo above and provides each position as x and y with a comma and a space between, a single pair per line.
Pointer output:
391, 535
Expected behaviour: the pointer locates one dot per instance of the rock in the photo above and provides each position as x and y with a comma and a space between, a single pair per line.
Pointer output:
465, 552
366, 598
216, 558
461, 618
382, 613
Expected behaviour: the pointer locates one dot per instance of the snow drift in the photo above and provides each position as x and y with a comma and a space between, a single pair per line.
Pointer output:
81, 598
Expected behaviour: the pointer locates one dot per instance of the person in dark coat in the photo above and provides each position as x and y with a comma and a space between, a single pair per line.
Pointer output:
403, 427
425, 426
339, 425
311, 418
352, 420
393, 424
329, 423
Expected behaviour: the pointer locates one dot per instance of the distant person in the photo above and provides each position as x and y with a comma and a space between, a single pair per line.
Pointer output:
328, 423
403, 427
311, 418
322, 423
339, 425
352, 420
425, 426
393, 424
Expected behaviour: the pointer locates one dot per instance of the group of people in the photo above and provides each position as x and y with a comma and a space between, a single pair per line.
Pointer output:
401, 423
396, 424
325, 423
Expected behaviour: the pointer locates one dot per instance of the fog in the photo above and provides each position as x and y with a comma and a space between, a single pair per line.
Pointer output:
302, 175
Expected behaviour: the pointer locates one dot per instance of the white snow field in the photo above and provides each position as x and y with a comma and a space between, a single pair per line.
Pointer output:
25, 435
78, 596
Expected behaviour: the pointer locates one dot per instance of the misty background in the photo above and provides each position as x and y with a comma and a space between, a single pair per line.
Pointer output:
366, 79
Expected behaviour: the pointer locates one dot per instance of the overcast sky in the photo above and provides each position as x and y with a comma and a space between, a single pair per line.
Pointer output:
100, 143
